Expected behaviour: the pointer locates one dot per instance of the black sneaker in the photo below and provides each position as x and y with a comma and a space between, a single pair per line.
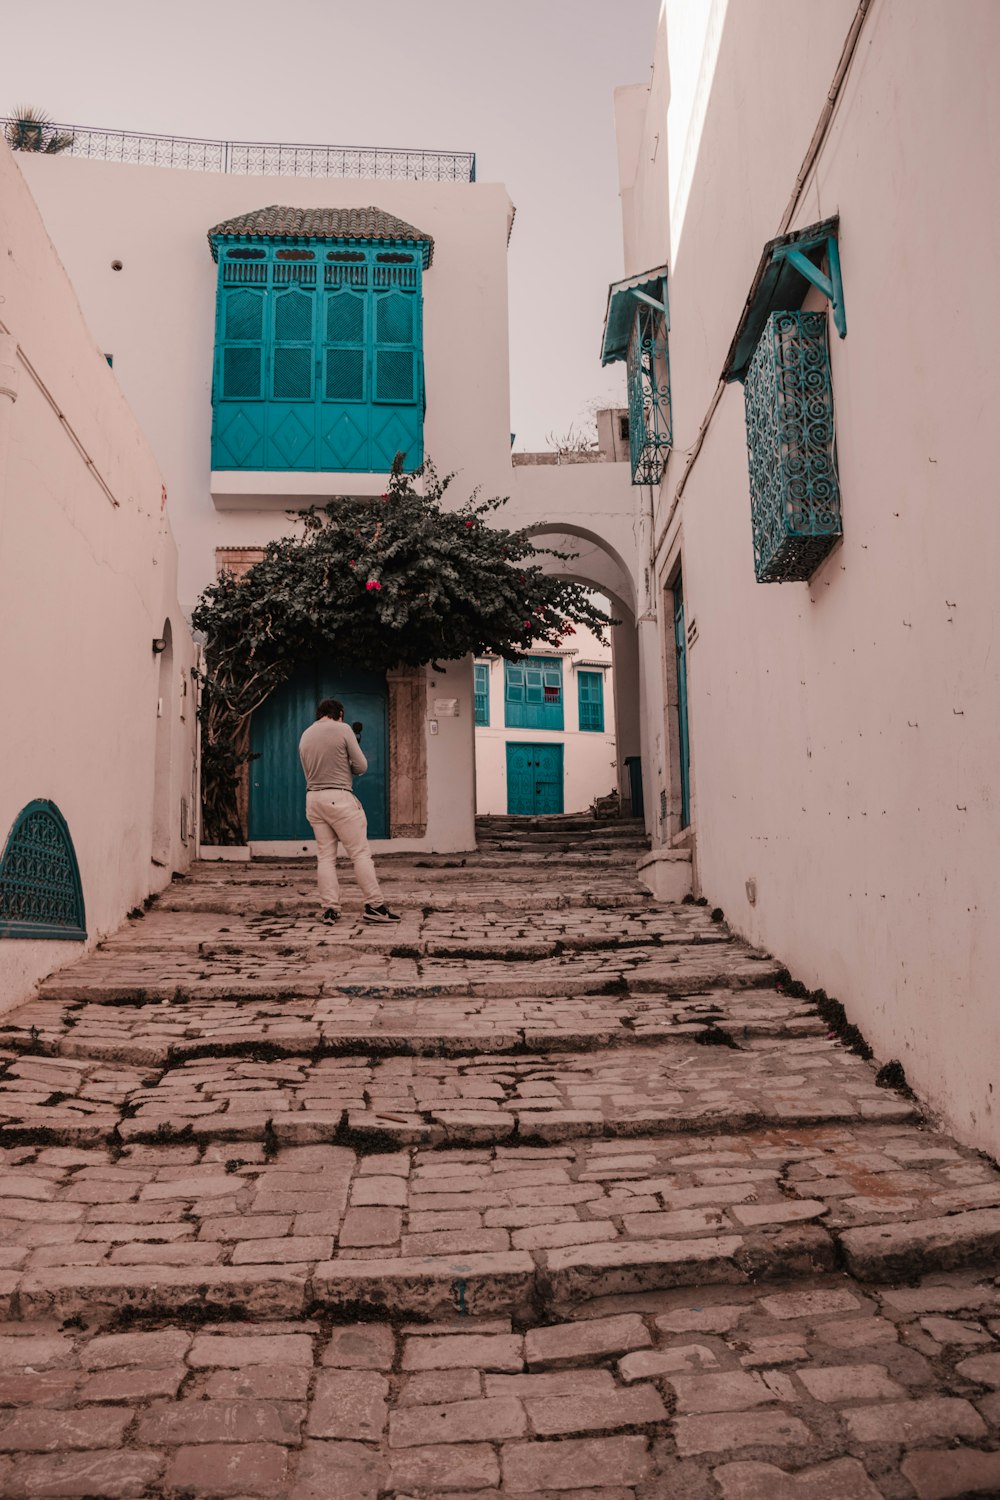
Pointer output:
373, 913
330, 916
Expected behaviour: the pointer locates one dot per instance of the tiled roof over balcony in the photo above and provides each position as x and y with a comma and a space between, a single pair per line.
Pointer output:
277, 222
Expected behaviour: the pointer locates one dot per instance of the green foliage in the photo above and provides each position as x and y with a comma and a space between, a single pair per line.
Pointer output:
372, 584
30, 129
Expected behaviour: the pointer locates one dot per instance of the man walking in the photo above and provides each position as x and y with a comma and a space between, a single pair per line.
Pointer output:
331, 757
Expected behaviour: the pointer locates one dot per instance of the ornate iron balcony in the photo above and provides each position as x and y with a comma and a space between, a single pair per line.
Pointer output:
258, 158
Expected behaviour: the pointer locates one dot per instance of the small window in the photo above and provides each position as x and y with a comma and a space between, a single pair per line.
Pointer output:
590, 686
482, 692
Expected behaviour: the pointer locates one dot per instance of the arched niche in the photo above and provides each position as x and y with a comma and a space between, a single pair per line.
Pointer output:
40, 891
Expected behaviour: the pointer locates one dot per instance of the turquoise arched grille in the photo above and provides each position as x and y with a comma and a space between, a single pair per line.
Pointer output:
794, 492
40, 891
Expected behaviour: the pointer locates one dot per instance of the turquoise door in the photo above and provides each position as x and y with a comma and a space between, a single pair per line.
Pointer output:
683, 740
277, 785
534, 779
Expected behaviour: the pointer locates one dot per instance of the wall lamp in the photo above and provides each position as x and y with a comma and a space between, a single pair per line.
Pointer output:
159, 644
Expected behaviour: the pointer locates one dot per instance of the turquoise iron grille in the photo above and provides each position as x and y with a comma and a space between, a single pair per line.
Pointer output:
590, 686
482, 692
40, 891
318, 357
794, 491
649, 414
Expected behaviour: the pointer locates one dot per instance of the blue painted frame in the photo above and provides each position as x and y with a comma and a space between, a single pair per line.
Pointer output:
39, 869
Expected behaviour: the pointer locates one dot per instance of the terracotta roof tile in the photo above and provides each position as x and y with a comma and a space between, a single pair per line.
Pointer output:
321, 223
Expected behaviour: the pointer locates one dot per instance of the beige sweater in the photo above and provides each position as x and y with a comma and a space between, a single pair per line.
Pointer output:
330, 756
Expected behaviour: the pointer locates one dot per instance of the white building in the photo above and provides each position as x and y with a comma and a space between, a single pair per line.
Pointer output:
545, 728
280, 337
806, 182
97, 775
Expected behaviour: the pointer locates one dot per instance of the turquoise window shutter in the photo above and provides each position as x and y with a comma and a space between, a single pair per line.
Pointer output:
482, 692
533, 697
590, 687
319, 358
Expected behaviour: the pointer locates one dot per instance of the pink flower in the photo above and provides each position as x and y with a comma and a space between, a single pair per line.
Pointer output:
351, 564
470, 523
373, 583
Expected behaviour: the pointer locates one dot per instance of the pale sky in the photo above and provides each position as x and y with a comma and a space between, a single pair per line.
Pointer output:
527, 84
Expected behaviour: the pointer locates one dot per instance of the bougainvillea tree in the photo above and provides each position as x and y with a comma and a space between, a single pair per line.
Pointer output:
371, 584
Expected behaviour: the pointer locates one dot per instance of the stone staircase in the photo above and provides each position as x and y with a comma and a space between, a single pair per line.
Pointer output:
551, 1191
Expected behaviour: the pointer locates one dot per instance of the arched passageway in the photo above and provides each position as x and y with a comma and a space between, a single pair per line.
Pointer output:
589, 560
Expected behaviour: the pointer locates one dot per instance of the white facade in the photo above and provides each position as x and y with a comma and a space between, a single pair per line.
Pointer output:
590, 766
844, 732
156, 316
96, 720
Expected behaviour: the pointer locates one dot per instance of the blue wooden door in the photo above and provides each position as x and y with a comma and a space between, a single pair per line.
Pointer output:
683, 740
277, 785
534, 779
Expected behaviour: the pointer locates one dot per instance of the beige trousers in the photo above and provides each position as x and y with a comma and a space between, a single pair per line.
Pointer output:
336, 815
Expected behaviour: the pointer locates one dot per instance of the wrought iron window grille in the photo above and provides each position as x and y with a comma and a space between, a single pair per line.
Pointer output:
649, 416
40, 891
794, 489
636, 329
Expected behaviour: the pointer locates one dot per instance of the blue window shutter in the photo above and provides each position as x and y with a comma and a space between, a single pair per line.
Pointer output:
482, 692
590, 687
533, 693
319, 357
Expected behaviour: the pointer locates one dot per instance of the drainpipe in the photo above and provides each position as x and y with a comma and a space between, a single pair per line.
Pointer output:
8, 395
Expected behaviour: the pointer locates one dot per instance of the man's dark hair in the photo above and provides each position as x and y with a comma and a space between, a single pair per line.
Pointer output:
330, 708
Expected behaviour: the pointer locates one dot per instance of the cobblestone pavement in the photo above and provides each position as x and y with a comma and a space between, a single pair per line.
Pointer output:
550, 1193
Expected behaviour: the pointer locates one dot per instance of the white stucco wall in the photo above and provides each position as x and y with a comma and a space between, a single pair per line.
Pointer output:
157, 316
589, 759
87, 580
844, 733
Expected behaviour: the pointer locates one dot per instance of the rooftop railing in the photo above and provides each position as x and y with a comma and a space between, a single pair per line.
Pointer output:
254, 158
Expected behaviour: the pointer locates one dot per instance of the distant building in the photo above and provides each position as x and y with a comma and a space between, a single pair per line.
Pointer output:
545, 729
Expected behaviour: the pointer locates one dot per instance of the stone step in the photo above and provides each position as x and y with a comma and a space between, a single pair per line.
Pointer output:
572, 976
203, 1231
214, 1020
555, 822
450, 1102
641, 1394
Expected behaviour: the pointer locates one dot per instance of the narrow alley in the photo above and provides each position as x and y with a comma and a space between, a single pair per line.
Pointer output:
552, 1191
